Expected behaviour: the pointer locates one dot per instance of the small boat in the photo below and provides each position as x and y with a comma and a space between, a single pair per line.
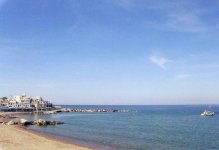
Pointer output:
208, 113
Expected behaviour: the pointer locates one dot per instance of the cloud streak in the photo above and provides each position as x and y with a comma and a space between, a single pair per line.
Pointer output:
183, 16
159, 61
185, 22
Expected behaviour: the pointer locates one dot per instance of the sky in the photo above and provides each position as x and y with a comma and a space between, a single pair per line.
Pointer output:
111, 52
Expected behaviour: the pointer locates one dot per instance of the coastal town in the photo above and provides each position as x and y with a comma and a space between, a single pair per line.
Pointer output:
24, 103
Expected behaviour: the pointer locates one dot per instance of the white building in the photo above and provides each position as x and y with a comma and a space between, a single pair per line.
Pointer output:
38, 101
24, 102
4, 102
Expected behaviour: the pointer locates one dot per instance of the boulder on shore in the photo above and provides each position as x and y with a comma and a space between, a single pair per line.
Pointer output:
41, 122
11, 122
25, 122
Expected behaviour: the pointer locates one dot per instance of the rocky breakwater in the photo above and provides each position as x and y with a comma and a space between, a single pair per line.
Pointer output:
84, 110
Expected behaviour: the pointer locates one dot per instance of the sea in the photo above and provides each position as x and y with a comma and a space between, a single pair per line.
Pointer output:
144, 127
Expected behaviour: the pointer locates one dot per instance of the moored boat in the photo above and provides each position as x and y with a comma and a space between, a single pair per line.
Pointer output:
208, 113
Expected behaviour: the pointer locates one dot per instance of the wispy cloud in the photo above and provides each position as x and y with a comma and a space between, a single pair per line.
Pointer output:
183, 18
126, 4
159, 61
182, 76
179, 16
185, 22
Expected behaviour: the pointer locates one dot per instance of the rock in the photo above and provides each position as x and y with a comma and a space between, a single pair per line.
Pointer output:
22, 121
25, 122
69, 110
35, 122
11, 122
57, 111
52, 122
59, 122
41, 122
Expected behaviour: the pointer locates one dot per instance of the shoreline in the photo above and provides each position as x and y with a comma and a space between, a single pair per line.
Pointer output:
53, 138
20, 138
5, 117
13, 113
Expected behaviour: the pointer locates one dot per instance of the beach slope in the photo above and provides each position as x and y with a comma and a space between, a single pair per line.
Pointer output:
12, 137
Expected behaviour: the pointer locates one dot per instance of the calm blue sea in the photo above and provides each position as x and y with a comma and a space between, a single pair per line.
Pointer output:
143, 128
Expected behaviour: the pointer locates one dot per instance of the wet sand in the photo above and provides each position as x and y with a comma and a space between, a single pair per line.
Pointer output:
14, 137
17, 137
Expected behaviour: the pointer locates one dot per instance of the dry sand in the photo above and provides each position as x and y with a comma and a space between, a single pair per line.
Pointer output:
15, 138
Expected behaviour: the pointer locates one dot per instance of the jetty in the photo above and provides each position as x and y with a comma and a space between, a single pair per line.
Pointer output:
84, 110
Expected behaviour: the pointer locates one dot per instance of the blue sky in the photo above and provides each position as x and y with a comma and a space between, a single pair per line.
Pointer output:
111, 51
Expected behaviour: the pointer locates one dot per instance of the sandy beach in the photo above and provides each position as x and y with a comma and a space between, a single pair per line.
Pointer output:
14, 137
